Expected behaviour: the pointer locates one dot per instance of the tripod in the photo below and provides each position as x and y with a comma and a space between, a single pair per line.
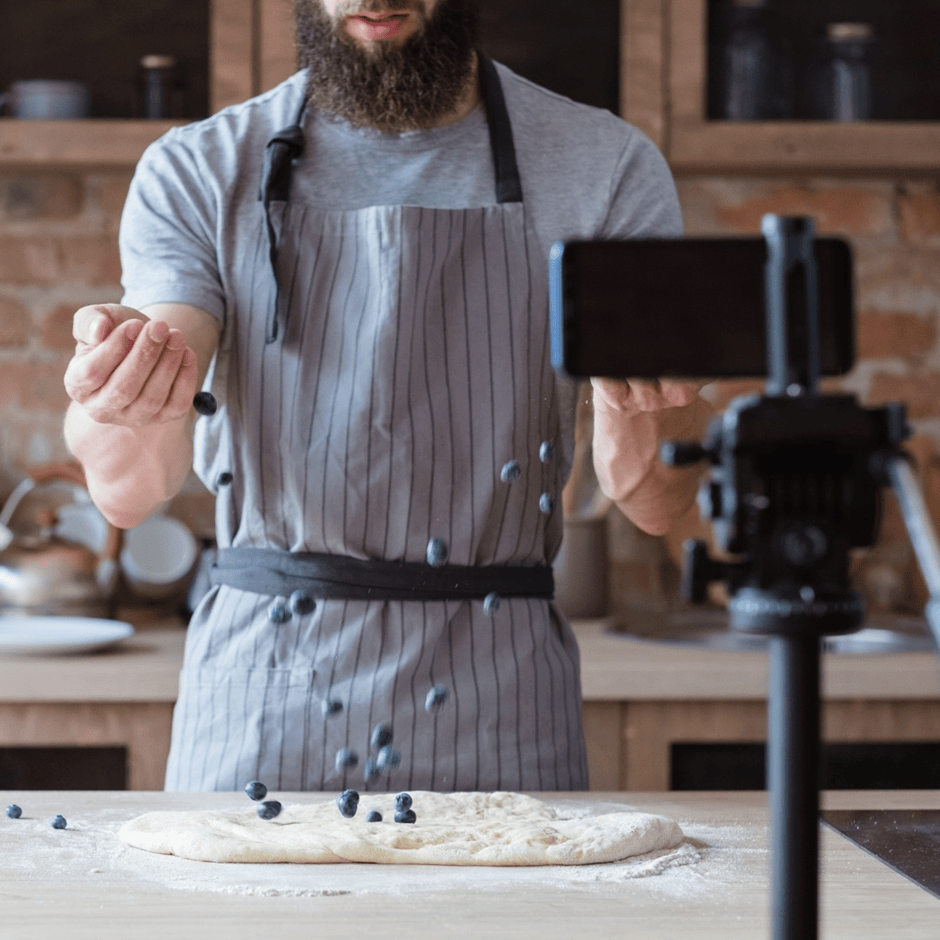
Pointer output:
795, 483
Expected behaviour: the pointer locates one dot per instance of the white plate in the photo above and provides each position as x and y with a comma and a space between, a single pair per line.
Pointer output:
50, 635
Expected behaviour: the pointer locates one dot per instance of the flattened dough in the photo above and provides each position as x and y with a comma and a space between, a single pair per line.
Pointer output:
452, 829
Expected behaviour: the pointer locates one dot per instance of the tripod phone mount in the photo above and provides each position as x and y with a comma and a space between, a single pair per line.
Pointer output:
796, 481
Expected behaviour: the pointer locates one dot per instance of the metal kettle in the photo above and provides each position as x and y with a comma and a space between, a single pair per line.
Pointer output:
43, 573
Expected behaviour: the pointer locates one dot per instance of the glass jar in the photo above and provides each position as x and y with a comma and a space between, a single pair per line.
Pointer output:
755, 75
156, 88
845, 85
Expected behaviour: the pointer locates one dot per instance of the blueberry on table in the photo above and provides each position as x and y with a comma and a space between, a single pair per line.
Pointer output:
205, 403
256, 790
348, 803
269, 809
435, 699
346, 757
13, 811
408, 816
58, 822
403, 802
374, 816
388, 759
381, 735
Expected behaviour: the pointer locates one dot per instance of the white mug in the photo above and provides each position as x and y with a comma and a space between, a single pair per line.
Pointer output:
41, 99
158, 557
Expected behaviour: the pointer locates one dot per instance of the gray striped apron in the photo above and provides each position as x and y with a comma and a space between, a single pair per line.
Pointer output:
406, 414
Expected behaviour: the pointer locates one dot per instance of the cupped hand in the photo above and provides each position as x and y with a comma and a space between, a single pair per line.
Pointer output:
631, 396
128, 370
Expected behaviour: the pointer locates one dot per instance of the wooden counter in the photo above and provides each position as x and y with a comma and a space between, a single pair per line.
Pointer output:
81, 883
639, 697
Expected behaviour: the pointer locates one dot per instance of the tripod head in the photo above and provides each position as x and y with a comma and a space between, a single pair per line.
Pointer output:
796, 477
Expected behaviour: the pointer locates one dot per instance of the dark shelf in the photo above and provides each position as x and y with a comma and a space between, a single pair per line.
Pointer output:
101, 42
906, 66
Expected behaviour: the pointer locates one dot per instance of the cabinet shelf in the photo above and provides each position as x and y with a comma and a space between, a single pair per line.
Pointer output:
804, 146
105, 143
665, 63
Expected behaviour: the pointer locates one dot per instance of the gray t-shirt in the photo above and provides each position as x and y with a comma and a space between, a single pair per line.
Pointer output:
585, 174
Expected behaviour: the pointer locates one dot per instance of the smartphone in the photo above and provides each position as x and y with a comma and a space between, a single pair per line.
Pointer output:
690, 307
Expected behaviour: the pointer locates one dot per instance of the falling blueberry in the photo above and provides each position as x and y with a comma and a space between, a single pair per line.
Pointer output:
374, 816
437, 552
371, 769
269, 809
256, 790
511, 471
546, 504
491, 603
403, 802
408, 816
278, 612
546, 452
58, 822
13, 811
224, 478
205, 403
302, 603
348, 803
381, 735
388, 759
332, 706
435, 698
346, 757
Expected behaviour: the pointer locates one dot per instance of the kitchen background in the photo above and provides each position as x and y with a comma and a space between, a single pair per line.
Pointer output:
658, 61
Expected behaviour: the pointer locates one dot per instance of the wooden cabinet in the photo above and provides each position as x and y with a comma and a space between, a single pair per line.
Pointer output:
664, 93
251, 48
630, 743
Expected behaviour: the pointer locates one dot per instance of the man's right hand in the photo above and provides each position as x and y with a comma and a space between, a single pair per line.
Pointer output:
129, 370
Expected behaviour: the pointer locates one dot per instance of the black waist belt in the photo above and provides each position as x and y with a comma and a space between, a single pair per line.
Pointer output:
280, 574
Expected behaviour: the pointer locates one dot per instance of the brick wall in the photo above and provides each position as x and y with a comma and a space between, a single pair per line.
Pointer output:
58, 252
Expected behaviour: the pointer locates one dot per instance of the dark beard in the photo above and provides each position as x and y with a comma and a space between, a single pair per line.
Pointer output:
388, 87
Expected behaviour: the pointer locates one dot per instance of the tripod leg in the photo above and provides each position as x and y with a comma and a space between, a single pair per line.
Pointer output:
793, 781
921, 532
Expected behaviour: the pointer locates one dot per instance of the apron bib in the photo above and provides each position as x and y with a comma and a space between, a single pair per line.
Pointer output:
405, 411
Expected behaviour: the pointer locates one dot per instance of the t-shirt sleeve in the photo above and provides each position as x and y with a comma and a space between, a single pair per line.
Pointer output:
643, 198
167, 236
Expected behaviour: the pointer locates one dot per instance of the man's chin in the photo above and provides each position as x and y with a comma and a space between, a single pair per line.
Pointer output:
408, 82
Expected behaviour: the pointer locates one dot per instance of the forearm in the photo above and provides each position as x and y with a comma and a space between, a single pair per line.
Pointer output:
629, 470
130, 472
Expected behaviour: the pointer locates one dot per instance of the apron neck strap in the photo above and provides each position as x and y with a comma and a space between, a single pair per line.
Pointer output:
508, 183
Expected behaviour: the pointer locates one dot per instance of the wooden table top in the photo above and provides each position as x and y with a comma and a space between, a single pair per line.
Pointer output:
145, 668
81, 883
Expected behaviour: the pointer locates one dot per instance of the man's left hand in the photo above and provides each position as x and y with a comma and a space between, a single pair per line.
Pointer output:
630, 396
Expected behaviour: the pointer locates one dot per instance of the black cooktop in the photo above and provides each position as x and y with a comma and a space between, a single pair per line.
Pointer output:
906, 840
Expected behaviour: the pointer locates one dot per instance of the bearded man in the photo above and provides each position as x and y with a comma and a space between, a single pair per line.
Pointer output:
355, 265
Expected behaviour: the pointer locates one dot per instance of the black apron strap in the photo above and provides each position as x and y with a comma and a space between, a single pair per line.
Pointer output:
322, 577
288, 144
508, 182
279, 156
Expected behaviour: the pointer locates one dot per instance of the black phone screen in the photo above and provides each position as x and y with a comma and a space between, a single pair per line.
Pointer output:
683, 307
